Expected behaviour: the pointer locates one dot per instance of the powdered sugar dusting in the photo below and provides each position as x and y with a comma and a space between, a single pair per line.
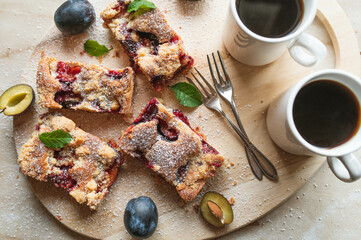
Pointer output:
200, 24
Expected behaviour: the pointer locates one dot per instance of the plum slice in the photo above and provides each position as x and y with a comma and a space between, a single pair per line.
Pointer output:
216, 209
16, 99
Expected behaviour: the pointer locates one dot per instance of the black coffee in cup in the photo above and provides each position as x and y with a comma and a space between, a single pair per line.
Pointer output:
271, 18
326, 113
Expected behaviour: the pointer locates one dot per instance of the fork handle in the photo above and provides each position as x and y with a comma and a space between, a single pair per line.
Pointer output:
265, 165
257, 172
261, 162
268, 169
252, 159
235, 113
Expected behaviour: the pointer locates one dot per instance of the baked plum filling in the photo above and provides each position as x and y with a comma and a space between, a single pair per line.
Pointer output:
206, 148
66, 76
181, 116
149, 112
170, 148
182, 173
170, 134
112, 171
186, 62
86, 167
147, 40
81, 86
67, 99
119, 6
158, 82
167, 132
116, 74
66, 73
150, 41
63, 180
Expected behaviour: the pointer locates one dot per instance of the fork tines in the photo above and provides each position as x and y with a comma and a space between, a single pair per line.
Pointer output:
207, 92
222, 81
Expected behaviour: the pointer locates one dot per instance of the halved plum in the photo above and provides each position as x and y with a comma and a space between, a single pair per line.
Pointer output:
16, 99
216, 209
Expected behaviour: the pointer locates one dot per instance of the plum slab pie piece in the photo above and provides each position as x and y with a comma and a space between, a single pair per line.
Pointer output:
86, 167
151, 44
75, 85
169, 146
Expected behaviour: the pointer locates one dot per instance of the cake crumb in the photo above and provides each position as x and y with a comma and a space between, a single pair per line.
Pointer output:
116, 54
231, 201
196, 207
234, 183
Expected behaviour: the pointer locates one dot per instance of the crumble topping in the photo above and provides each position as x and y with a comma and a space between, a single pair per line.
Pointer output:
141, 138
153, 22
83, 167
152, 45
82, 86
165, 63
164, 140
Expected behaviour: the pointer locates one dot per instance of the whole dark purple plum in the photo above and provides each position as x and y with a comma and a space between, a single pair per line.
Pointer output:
141, 217
74, 16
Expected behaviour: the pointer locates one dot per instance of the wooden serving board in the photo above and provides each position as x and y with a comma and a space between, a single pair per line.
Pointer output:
200, 24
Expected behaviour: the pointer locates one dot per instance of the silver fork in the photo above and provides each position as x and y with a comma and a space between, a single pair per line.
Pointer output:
211, 100
225, 89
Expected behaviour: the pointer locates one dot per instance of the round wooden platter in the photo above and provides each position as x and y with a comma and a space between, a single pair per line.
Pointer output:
200, 24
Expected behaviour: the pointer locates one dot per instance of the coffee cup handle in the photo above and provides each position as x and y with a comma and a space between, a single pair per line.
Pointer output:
346, 168
307, 50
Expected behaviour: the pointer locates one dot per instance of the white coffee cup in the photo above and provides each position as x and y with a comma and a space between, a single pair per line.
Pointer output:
283, 131
252, 49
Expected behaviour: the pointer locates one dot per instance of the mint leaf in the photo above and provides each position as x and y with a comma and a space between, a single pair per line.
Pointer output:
140, 6
187, 94
95, 49
55, 139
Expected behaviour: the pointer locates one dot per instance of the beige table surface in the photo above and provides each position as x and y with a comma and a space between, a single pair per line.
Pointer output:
325, 208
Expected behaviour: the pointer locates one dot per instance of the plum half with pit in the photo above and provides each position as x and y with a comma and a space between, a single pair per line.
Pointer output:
216, 209
74, 16
16, 99
141, 217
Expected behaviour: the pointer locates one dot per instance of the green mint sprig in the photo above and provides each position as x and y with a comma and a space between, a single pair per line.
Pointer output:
56, 139
140, 7
95, 49
187, 94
